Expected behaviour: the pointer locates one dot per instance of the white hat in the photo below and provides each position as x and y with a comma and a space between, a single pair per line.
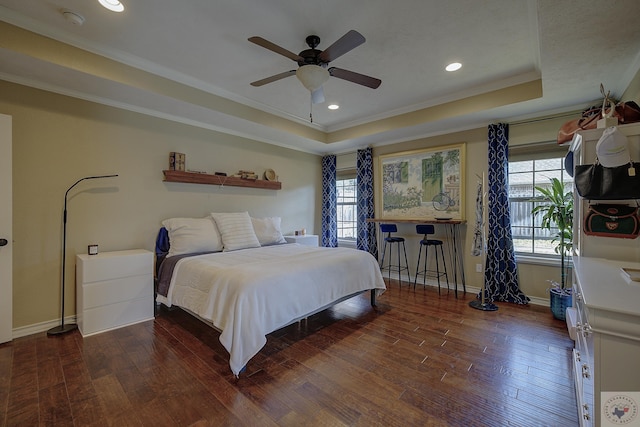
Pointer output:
612, 149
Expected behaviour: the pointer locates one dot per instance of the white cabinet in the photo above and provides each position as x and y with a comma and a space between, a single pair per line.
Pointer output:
307, 239
114, 289
607, 348
607, 345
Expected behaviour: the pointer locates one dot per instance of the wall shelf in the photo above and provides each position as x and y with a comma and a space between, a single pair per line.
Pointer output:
232, 181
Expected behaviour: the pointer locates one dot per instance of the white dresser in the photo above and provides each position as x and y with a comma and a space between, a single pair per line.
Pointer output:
114, 289
607, 348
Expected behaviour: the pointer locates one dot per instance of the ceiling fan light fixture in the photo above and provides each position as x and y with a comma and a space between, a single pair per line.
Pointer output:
312, 76
112, 5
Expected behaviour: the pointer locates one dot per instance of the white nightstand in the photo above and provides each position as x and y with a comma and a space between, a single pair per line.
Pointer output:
114, 289
307, 239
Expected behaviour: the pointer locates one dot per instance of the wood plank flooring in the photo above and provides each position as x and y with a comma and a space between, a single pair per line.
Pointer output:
418, 359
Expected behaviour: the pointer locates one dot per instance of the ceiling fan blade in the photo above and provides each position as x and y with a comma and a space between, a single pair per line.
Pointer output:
275, 48
317, 96
343, 45
273, 78
354, 77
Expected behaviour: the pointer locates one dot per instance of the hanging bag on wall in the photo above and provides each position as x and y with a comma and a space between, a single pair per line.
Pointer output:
614, 176
625, 112
596, 182
609, 220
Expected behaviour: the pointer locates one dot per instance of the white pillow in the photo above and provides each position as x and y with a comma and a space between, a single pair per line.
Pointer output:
268, 230
190, 235
236, 230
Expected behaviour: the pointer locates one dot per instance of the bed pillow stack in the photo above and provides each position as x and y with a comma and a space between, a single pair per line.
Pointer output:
192, 235
236, 230
222, 232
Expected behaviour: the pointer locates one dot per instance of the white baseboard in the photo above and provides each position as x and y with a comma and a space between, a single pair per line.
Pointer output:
36, 328
470, 289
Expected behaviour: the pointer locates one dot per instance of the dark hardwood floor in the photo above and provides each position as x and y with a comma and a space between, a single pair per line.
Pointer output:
418, 359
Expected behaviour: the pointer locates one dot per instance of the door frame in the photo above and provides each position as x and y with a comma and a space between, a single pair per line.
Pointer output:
6, 227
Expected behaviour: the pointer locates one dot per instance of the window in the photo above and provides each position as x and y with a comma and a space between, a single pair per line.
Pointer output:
347, 208
524, 176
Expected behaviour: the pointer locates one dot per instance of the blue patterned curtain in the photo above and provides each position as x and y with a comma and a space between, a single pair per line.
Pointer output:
501, 276
366, 240
329, 202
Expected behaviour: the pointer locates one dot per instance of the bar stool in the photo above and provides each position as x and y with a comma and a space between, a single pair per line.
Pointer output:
394, 240
426, 230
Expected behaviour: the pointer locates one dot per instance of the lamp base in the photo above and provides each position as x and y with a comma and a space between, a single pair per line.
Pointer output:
62, 329
479, 305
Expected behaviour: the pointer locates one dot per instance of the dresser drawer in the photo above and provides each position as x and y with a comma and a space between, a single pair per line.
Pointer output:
113, 265
104, 318
112, 291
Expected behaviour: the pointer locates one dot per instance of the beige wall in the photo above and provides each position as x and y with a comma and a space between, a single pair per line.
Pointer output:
58, 140
633, 90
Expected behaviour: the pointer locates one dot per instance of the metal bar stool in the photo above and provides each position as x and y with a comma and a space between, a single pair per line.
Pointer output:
394, 240
426, 230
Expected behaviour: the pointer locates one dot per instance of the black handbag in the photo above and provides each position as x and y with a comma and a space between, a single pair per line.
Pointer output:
596, 182
620, 221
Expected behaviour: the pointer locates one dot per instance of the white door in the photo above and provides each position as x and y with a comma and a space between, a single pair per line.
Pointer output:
6, 281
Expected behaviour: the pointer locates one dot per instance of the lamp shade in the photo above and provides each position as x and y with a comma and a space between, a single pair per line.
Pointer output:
312, 76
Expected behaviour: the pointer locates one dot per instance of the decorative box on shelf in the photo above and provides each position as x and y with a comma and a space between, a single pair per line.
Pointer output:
114, 289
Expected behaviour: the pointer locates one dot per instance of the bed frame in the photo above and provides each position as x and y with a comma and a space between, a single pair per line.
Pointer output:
164, 269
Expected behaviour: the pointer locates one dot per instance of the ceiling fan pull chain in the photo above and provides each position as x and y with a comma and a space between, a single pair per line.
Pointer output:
311, 109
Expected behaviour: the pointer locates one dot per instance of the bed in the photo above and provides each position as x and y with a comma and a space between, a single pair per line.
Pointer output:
248, 290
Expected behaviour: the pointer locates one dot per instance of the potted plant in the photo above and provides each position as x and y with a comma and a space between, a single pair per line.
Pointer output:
556, 207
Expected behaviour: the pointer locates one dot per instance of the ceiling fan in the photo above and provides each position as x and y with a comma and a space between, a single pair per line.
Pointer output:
313, 70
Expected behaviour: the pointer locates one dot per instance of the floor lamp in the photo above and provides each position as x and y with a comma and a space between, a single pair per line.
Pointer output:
57, 330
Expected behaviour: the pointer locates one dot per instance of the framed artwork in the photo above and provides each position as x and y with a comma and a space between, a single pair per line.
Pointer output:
423, 184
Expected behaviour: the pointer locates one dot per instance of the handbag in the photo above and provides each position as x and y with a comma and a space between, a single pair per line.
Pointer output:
625, 112
607, 220
597, 182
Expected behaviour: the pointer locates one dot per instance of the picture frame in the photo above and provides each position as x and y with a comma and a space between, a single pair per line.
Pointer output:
426, 184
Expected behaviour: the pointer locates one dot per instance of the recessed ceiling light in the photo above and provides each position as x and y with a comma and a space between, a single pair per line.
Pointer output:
333, 106
454, 66
112, 5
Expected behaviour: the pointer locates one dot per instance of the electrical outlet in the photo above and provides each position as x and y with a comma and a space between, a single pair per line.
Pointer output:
478, 268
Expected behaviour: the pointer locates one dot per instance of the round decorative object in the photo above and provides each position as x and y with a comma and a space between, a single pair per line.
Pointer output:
270, 175
442, 202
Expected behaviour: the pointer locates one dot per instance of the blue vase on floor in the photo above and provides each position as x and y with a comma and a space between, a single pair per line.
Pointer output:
560, 299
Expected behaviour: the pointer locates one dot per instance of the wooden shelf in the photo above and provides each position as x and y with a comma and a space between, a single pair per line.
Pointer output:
204, 178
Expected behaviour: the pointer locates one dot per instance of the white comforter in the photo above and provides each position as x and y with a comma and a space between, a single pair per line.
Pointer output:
249, 293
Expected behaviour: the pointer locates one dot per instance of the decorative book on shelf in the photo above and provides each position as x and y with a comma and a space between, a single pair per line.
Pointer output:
177, 161
232, 181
